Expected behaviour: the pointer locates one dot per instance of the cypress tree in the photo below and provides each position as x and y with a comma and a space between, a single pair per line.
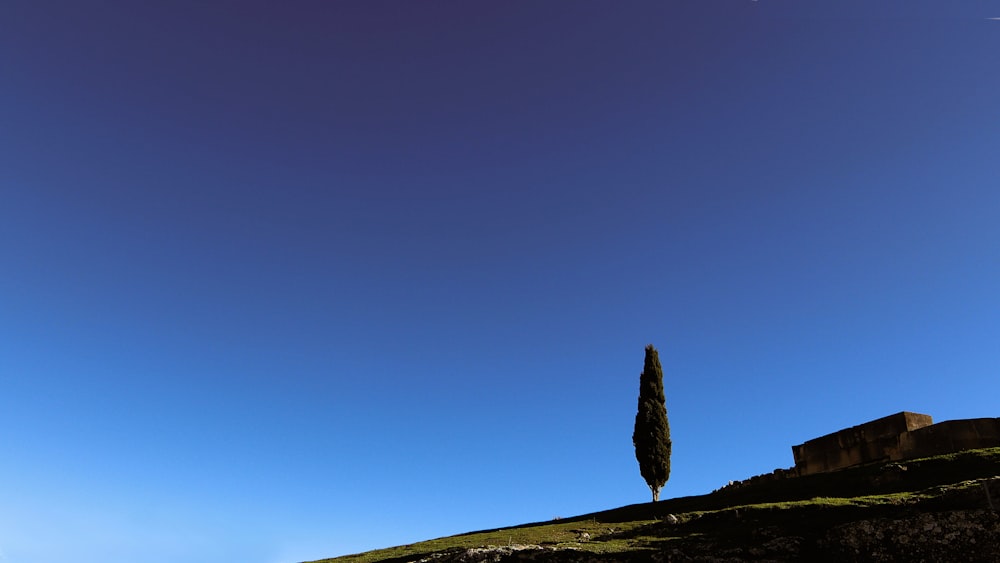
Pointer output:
651, 437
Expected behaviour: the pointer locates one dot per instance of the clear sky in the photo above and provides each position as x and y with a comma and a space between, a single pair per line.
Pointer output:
293, 279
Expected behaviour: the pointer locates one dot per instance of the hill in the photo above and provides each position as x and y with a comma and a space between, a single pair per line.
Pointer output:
941, 508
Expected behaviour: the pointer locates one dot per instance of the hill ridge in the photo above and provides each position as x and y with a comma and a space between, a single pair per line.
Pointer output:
810, 517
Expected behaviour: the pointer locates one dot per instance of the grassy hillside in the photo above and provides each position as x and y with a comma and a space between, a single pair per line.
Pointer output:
756, 517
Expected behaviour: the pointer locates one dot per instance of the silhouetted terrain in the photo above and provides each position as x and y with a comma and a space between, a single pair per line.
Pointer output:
941, 508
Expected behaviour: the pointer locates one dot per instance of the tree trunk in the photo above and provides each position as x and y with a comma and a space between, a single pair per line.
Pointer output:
656, 495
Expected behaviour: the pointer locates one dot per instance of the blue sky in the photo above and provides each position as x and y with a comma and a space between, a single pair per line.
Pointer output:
289, 280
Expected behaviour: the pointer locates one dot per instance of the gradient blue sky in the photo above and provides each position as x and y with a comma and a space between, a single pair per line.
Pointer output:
289, 280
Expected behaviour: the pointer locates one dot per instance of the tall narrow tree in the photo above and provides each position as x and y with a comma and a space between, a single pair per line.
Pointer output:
651, 437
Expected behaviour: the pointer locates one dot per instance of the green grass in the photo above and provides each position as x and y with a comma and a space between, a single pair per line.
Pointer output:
557, 534
800, 507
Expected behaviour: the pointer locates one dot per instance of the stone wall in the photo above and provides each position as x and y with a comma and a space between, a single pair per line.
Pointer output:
877, 440
950, 436
904, 435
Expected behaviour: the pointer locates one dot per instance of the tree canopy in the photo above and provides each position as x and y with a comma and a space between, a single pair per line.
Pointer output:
651, 436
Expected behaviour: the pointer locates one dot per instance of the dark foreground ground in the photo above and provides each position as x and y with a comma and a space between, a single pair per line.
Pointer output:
939, 509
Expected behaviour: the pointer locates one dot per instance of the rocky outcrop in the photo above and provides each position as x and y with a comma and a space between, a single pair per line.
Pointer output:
956, 535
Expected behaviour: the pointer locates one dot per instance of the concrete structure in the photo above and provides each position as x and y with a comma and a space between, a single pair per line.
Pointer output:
904, 435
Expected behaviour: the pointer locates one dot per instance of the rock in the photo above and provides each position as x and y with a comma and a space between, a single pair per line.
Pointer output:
959, 535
